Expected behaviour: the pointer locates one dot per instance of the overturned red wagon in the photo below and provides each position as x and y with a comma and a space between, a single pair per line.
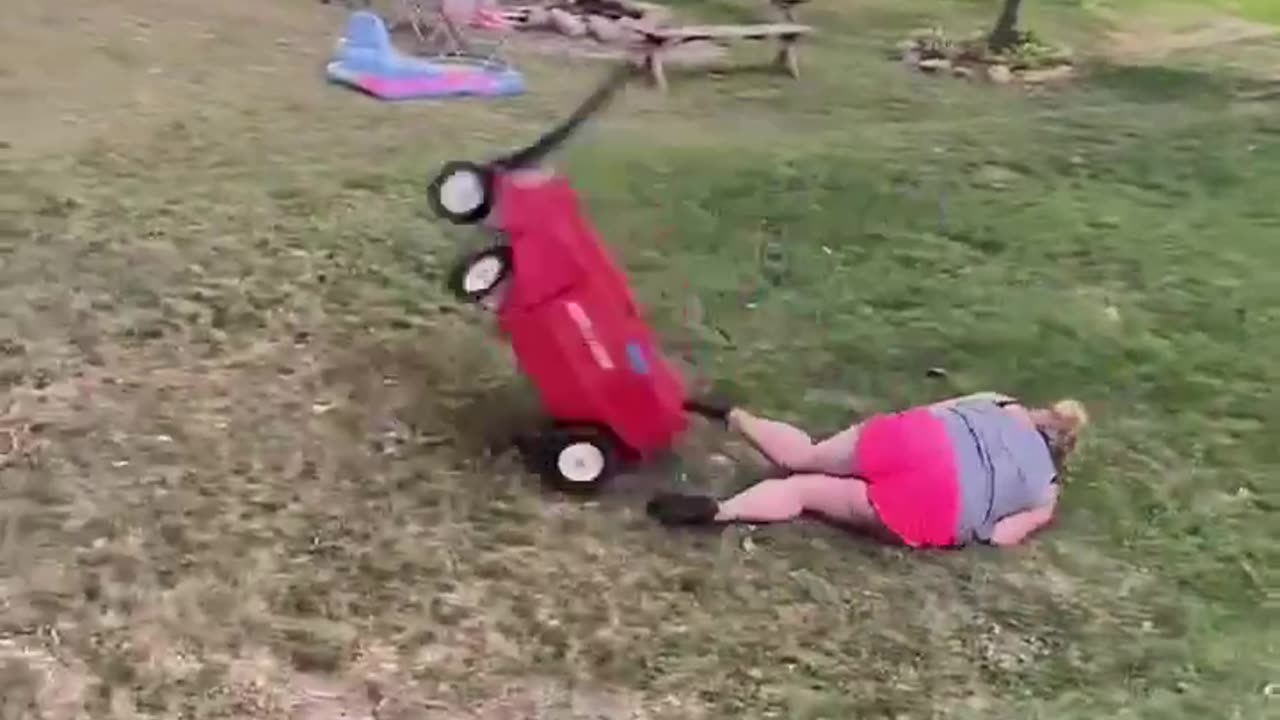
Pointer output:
575, 330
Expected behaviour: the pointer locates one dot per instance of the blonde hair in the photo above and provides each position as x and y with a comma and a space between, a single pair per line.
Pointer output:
1062, 423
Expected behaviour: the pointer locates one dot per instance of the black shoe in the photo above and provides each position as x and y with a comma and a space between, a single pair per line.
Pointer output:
710, 407
681, 509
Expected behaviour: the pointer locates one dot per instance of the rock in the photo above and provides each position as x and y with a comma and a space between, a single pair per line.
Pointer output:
627, 8
995, 177
962, 71
934, 65
652, 14
999, 74
911, 59
566, 23
630, 31
721, 468
539, 18
720, 459
1048, 75
605, 30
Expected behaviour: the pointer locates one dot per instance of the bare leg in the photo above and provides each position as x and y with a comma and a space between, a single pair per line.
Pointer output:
839, 499
792, 449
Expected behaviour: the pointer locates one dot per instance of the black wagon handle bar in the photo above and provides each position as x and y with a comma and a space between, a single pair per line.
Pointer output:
554, 138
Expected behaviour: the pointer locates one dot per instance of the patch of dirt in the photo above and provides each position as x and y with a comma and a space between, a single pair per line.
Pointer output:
32, 679
377, 688
1150, 41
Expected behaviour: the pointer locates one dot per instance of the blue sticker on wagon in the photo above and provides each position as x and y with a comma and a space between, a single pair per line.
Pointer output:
636, 360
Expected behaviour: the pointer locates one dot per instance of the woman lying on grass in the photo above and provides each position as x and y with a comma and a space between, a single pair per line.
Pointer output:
980, 468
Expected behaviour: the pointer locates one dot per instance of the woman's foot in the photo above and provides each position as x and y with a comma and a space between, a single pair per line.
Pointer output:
682, 509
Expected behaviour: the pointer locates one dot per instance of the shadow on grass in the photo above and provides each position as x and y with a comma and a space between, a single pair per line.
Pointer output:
1158, 84
1163, 84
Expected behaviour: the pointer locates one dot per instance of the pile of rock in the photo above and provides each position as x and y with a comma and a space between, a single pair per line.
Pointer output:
929, 52
612, 22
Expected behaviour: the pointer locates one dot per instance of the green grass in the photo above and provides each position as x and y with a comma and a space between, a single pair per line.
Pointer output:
1256, 10
261, 457
1261, 10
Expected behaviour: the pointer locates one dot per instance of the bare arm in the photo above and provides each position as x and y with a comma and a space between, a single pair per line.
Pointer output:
1013, 529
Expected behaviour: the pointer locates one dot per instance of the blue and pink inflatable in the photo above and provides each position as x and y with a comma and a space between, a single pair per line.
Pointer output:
367, 61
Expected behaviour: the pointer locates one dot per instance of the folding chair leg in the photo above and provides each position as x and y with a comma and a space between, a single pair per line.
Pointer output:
495, 52
442, 36
411, 12
460, 44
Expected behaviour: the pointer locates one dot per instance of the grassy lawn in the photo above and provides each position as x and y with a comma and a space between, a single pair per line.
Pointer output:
252, 473
1261, 10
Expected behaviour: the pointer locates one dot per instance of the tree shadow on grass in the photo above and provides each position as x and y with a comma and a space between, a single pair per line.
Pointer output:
1164, 84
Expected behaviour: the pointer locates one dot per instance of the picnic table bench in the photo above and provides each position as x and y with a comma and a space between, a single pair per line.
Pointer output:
658, 41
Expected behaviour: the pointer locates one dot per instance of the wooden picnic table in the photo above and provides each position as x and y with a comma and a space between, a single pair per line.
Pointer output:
658, 41
786, 8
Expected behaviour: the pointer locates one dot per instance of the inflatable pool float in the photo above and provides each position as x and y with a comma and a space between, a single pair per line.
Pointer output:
367, 61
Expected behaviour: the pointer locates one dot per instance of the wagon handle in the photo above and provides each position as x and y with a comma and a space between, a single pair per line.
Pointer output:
554, 138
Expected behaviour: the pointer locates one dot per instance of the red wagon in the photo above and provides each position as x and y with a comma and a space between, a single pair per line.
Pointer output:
561, 300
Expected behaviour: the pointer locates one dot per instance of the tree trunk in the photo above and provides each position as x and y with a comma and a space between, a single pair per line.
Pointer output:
1005, 33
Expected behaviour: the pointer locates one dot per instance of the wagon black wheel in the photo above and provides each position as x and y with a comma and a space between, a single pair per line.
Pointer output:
478, 276
461, 193
578, 459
